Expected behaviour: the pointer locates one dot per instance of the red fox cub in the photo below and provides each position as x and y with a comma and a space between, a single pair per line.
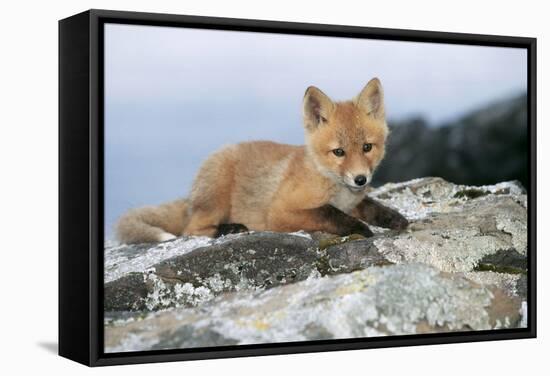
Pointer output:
266, 186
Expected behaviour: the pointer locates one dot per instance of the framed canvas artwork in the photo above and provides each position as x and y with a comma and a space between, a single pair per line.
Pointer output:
234, 187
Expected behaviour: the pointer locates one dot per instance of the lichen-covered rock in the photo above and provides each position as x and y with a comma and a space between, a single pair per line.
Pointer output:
253, 261
460, 265
454, 227
418, 198
377, 301
121, 259
514, 285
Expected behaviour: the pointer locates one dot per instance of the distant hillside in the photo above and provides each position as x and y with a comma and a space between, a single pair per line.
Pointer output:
486, 146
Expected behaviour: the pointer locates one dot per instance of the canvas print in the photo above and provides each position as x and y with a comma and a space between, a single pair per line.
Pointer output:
266, 188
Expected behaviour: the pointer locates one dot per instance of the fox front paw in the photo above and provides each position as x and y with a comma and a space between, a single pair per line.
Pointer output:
398, 222
391, 219
230, 228
361, 229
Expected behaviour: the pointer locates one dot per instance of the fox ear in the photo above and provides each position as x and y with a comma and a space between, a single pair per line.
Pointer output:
371, 99
317, 107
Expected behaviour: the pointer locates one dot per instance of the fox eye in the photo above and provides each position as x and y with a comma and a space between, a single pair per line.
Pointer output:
367, 147
339, 152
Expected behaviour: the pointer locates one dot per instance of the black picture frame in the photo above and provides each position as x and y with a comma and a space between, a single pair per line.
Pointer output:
81, 186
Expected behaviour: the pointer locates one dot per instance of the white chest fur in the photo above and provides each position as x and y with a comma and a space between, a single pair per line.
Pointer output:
346, 200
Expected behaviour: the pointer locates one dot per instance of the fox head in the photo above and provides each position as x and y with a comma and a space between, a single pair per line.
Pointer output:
346, 140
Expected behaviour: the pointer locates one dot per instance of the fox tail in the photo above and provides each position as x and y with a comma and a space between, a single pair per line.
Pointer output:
150, 224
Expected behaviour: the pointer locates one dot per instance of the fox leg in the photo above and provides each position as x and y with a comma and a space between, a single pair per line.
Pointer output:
376, 214
326, 218
230, 228
204, 222
203, 227
210, 197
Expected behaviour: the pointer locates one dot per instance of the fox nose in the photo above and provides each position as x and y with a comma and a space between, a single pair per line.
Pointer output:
360, 180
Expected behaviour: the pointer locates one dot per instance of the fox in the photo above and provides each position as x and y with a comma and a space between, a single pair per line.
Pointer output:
268, 186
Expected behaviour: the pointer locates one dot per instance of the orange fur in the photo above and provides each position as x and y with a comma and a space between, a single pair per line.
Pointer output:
268, 186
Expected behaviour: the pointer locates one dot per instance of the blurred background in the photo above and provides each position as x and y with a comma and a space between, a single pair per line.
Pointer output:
173, 96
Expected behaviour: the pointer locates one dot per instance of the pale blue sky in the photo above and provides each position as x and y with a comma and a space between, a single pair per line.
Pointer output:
174, 95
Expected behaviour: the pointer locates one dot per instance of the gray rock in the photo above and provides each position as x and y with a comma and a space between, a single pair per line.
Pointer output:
504, 261
511, 284
485, 146
254, 261
454, 231
122, 259
461, 265
377, 301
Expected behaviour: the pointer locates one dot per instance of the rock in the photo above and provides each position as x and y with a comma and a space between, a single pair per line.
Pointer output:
452, 231
504, 261
460, 265
485, 146
514, 285
122, 259
377, 301
253, 261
